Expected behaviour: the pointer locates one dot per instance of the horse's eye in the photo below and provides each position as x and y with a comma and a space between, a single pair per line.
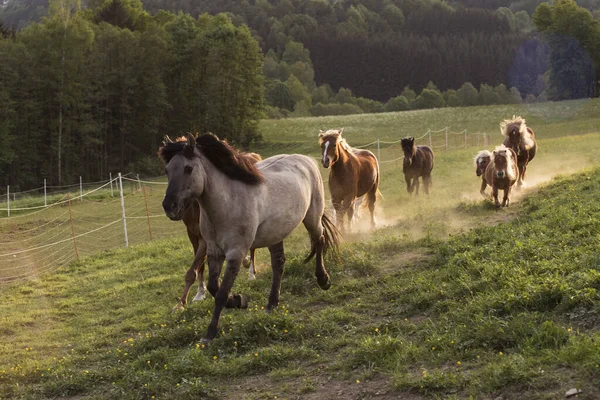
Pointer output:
188, 169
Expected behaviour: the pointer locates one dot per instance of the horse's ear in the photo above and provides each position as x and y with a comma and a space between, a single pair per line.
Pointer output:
167, 139
340, 131
321, 133
191, 140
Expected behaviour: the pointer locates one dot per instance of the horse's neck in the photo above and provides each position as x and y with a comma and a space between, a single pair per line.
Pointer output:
217, 187
344, 158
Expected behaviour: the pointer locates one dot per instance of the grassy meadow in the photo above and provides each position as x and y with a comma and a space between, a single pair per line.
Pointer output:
448, 299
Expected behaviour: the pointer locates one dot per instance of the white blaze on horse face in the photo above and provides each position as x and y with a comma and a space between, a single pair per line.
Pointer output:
325, 156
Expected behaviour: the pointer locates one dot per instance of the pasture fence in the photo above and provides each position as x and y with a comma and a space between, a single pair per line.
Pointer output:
38, 238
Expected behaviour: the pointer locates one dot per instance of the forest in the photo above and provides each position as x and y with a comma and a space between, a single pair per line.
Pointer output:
89, 88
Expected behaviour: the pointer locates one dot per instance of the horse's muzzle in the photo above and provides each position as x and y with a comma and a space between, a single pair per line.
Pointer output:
479, 172
172, 210
500, 174
325, 163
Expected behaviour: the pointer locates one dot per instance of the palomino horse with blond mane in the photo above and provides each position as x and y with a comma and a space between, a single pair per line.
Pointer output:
354, 173
418, 162
521, 139
482, 159
501, 173
191, 219
246, 206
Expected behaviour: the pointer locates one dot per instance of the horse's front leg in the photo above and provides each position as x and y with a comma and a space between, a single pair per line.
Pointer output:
483, 187
338, 206
495, 195
277, 264
222, 297
215, 264
506, 199
199, 261
350, 213
409, 186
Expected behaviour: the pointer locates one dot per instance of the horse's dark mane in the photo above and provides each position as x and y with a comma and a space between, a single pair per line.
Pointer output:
228, 160
220, 153
169, 150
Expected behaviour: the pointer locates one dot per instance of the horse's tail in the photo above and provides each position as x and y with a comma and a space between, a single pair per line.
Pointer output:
332, 235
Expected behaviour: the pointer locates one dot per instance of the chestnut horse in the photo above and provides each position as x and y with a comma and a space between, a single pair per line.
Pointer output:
246, 206
502, 173
354, 173
482, 159
418, 162
191, 219
521, 139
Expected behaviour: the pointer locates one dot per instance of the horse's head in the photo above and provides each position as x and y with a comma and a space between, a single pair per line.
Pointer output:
329, 146
482, 159
409, 148
503, 159
185, 180
514, 130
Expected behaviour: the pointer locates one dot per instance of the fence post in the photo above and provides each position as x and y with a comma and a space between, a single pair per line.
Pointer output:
465, 138
147, 213
80, 189
8, 199
72, 228
378, 151
446, 138
430, 140
139, 183
111, 182
485, 139
45, 202
123, 210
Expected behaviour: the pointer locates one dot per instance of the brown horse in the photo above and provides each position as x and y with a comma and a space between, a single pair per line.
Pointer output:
191, 219
418, 162
482, 159
521, 139
502, 173
354, 173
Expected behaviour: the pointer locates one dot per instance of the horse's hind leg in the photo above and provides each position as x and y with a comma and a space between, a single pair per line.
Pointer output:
416, 184
199, 262
371, 199
277, 264
315, 229
427, 182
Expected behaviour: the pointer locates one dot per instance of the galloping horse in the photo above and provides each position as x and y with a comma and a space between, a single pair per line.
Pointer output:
482, 159
502, 173
521, 139
418, 161
354, 173
191, 219
246, 206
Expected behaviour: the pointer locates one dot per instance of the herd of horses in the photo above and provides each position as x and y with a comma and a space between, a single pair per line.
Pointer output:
233, 202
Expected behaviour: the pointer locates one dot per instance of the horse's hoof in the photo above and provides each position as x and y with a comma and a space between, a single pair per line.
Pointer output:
269, 309
199, 297
177, 308
240, 301
205, 341
324, 283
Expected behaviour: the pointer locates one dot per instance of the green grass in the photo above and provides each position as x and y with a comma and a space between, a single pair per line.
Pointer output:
449, 299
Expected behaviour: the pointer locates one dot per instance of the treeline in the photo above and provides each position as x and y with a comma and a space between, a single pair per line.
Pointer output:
88, 92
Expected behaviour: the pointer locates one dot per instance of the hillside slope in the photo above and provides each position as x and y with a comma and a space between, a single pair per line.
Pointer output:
506, 310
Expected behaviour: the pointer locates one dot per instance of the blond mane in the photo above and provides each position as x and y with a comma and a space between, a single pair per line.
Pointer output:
337, 134
480, 155
517, 121
504, 151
